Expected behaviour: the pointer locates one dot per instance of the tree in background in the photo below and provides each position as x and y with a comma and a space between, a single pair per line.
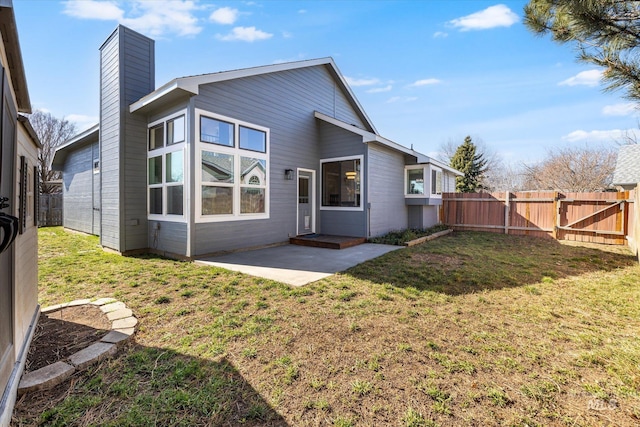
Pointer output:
471, 164
605, 32
52, 132
572, 169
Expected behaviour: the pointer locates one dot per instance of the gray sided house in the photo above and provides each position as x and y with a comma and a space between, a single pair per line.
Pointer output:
236, 159
627, 172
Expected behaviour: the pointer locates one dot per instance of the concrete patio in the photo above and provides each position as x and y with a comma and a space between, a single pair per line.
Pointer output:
297, 265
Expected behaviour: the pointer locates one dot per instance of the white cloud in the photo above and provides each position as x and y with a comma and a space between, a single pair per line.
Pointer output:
491, 17
440, 35
380, 89
583, 78
624, 109
395, 99
153, 18
245, 34
224, 15
598, 135
425, 82
361, 82
91, 9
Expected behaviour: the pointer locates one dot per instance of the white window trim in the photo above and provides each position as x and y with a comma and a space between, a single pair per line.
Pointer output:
180, 146
436, 169
362, 184
237, 153
424, 177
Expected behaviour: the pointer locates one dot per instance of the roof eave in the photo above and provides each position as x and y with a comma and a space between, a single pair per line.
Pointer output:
173, 90
60, 155
9, 32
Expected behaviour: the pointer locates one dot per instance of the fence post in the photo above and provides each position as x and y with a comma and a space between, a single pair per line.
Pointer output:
507, 209
556, 209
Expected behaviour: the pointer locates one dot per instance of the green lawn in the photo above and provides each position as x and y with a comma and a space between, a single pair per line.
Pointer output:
468, 329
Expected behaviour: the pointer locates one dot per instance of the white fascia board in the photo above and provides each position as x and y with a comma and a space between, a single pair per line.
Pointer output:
365, 134
155, 95
372, 137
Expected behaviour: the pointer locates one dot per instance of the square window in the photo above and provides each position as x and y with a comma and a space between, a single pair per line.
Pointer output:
156, 137
254, 171
217, 200
175, 197
216, 132
155, 201
415, 181
252, 139
155, 170
175, 130
175, 166
341, 183
217, 167
252, 200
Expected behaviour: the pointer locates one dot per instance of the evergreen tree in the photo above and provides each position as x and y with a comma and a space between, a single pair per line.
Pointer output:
605, 32
471, 164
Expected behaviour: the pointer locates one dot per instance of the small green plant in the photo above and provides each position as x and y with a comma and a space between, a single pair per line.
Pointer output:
361, 387
413, 418
404, 347
186, 294
163, 300
498, 397
343, 422
250, 353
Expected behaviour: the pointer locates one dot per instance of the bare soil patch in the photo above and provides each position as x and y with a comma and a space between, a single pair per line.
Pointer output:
62, 333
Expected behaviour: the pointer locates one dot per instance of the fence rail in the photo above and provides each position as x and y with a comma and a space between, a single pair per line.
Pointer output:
50, 210
588, 217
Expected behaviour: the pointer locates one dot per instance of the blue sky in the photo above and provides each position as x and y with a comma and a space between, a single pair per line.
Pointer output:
426, 72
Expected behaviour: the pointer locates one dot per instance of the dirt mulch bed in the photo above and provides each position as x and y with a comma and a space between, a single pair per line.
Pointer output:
62, 333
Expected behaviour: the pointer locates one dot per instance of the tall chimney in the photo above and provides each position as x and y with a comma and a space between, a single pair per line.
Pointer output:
127, 73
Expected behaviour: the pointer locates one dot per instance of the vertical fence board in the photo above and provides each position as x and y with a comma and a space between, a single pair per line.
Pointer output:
50, 210
588, 217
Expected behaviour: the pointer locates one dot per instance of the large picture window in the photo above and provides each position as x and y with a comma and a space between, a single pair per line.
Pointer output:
166, 168
233, 177
341, 183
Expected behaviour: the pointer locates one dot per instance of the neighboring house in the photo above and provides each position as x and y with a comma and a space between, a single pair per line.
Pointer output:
627, 172
19, 308
237, 159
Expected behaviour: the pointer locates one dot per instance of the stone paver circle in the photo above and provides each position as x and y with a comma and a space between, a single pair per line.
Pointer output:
123, 324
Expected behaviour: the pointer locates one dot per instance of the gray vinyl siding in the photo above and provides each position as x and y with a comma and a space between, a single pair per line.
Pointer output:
127, 74
285, 103
78, 189
169, 239
110, 144
337, 142
386, 190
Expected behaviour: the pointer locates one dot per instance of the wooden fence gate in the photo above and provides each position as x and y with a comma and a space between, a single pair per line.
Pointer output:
50, 210
587, 217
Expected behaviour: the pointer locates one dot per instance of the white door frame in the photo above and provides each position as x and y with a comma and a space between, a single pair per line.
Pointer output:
312, 196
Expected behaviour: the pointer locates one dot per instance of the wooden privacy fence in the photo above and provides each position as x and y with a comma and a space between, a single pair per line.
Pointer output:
587, 217
50, 210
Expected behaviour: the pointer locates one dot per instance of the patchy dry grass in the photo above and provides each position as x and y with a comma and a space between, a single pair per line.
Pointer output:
469, 329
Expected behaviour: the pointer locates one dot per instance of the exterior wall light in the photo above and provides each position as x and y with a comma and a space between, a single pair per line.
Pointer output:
288, 174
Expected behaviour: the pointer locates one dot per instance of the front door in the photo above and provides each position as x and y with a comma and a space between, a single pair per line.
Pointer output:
306, 216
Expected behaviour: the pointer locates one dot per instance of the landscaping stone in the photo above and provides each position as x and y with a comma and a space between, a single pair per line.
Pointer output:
115, 337
126, 331
103, 301
112, 306
92, 354
44, 378
128, 322
119, 314
122, 328
78, 302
